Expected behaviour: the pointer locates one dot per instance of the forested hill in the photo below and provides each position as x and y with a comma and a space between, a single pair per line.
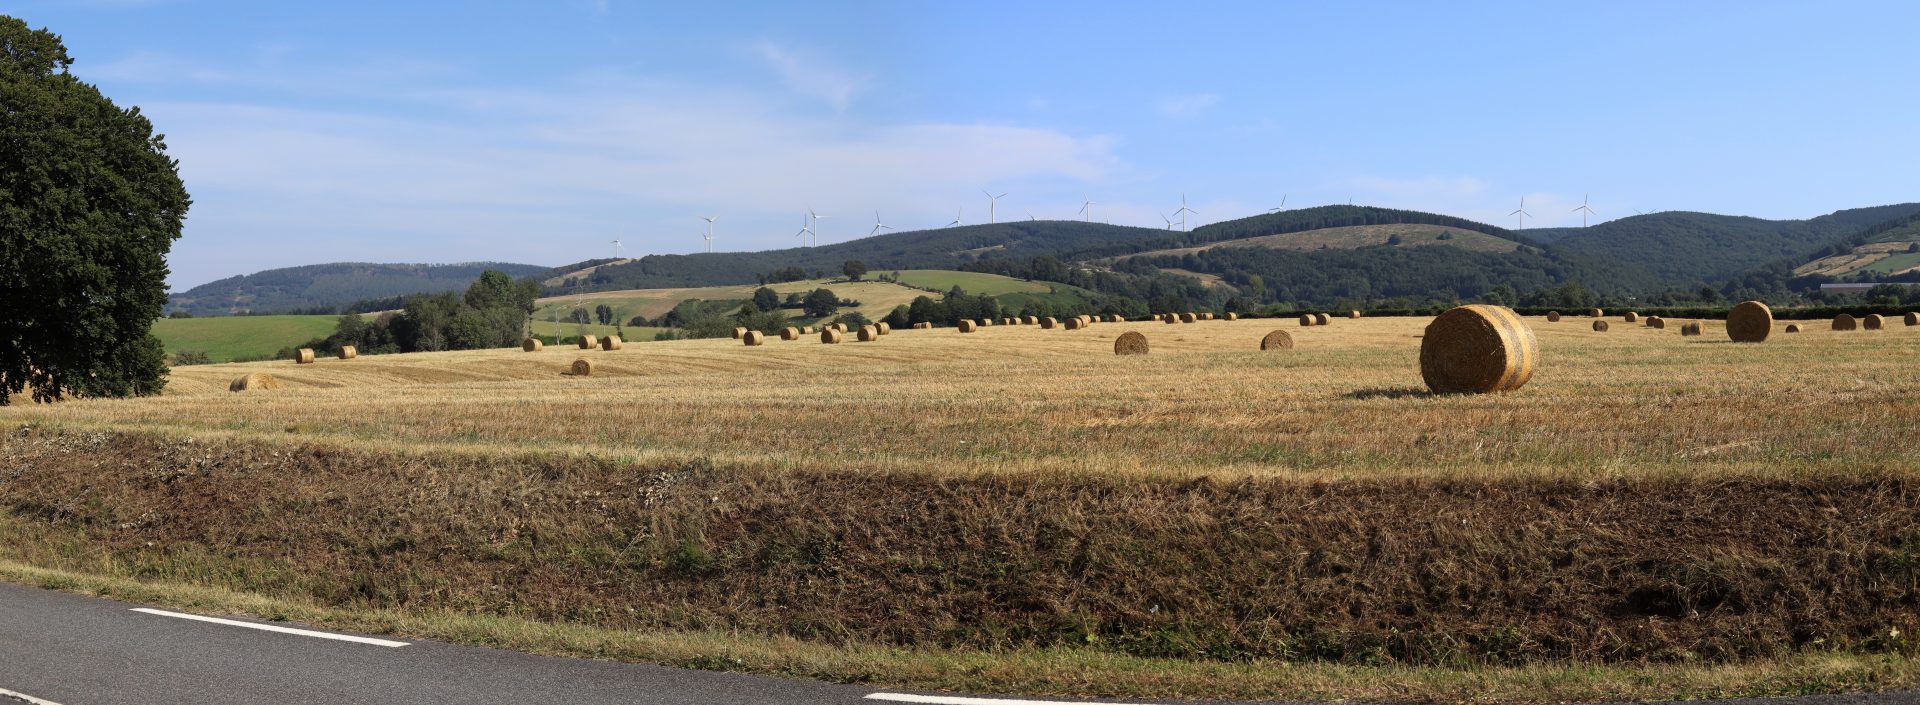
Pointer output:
1680, 248
330, 285
950, 248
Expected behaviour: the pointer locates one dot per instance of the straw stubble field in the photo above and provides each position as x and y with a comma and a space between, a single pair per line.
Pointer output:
1650, 516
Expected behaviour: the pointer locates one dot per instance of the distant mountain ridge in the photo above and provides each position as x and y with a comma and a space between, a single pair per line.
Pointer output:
1681, 247
331, 285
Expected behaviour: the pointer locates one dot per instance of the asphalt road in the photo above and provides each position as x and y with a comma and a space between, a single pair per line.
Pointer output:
68, 649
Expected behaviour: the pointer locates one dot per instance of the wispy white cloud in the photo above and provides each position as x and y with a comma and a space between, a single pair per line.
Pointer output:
812, 76
1186, 106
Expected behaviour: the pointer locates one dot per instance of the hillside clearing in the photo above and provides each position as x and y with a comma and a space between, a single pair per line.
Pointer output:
1358, 236
877, 298
228, 338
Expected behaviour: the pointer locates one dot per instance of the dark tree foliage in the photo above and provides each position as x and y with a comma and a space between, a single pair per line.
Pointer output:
342, 287
90, 204
820, 303
765, 299
854, 269
492, 313
604, 314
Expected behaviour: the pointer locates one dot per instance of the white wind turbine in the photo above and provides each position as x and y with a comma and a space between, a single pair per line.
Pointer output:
806, 227
956, 218
616, 248
1164, 217
1283, 204
1086, 207
1522, 212
1184, 210
1583, 210
709, 220
993, 202
815, 230
877, 225
1030, 216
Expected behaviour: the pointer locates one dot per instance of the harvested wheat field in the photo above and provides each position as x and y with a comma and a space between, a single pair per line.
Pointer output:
1022, 509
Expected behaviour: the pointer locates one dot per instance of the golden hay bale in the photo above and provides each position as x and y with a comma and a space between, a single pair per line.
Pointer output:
868, 334
923, 325
986, 321
1076, 323
1029, 320
1130, 343
1048, 322
1873, 321
591, 341
1913, 319
882, 328
1353, 314
842, 327
1116, 318
1206, 316
1320, 319
1656, 322
1008, 321
1597, 313
582, 368
738, 332
348, 352
789, 333
1478, 349
1306, 320
968, 326
303, 356
754, 337
1845, 322
532, 345
1631, 317
1690, 329
1793, 327
1277, 340
1231, 316
1749, 322
611, 342
830, 335
1600, 326
1553, 316
1170, 318
253, 380
1187, 318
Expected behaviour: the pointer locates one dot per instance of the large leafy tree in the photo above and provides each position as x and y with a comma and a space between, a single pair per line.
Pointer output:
90, 203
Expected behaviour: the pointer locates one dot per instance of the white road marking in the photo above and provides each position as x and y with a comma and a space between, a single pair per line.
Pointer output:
273, 628
17, 695
947, 700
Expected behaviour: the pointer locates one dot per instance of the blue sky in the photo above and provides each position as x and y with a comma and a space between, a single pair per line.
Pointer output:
538, 131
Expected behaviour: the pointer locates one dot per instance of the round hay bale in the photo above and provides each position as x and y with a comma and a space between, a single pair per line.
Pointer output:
253, 380
986, 321
1085, 320
1008, 321
1130, 343
1076, 323
1170, 318
1277, 340
1188, 318
754, 337
789, 333
806, 330
882, 328
1690, 329
1845, 322
1478, 349
868, 334
1631, 317
1553, 316
1597, 313
1321, 319
611, 342
1231, 316
830, 335
348, 352
1116, 318
303, 356
1599, 326
1206, 316
1793, 327
1656, 322
582, 368
923, 325
1048, 323
1353, 314
591, 341
1912, 319
842, 327
1029, 320
1749, 322
739, 332
1873, 321
968, 326
1306, 320
532, 345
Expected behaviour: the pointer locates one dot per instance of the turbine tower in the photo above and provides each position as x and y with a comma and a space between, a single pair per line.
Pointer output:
877, 225
1522, 212
1030, 216
993, 202
1583, 210
1184, 210
616, 248
815, 230
956, 218
1086, 207
709, 220
806, 228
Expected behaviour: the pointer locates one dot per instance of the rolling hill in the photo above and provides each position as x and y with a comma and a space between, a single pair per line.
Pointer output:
331, 285
877, 298
1679, 248
1354, 237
